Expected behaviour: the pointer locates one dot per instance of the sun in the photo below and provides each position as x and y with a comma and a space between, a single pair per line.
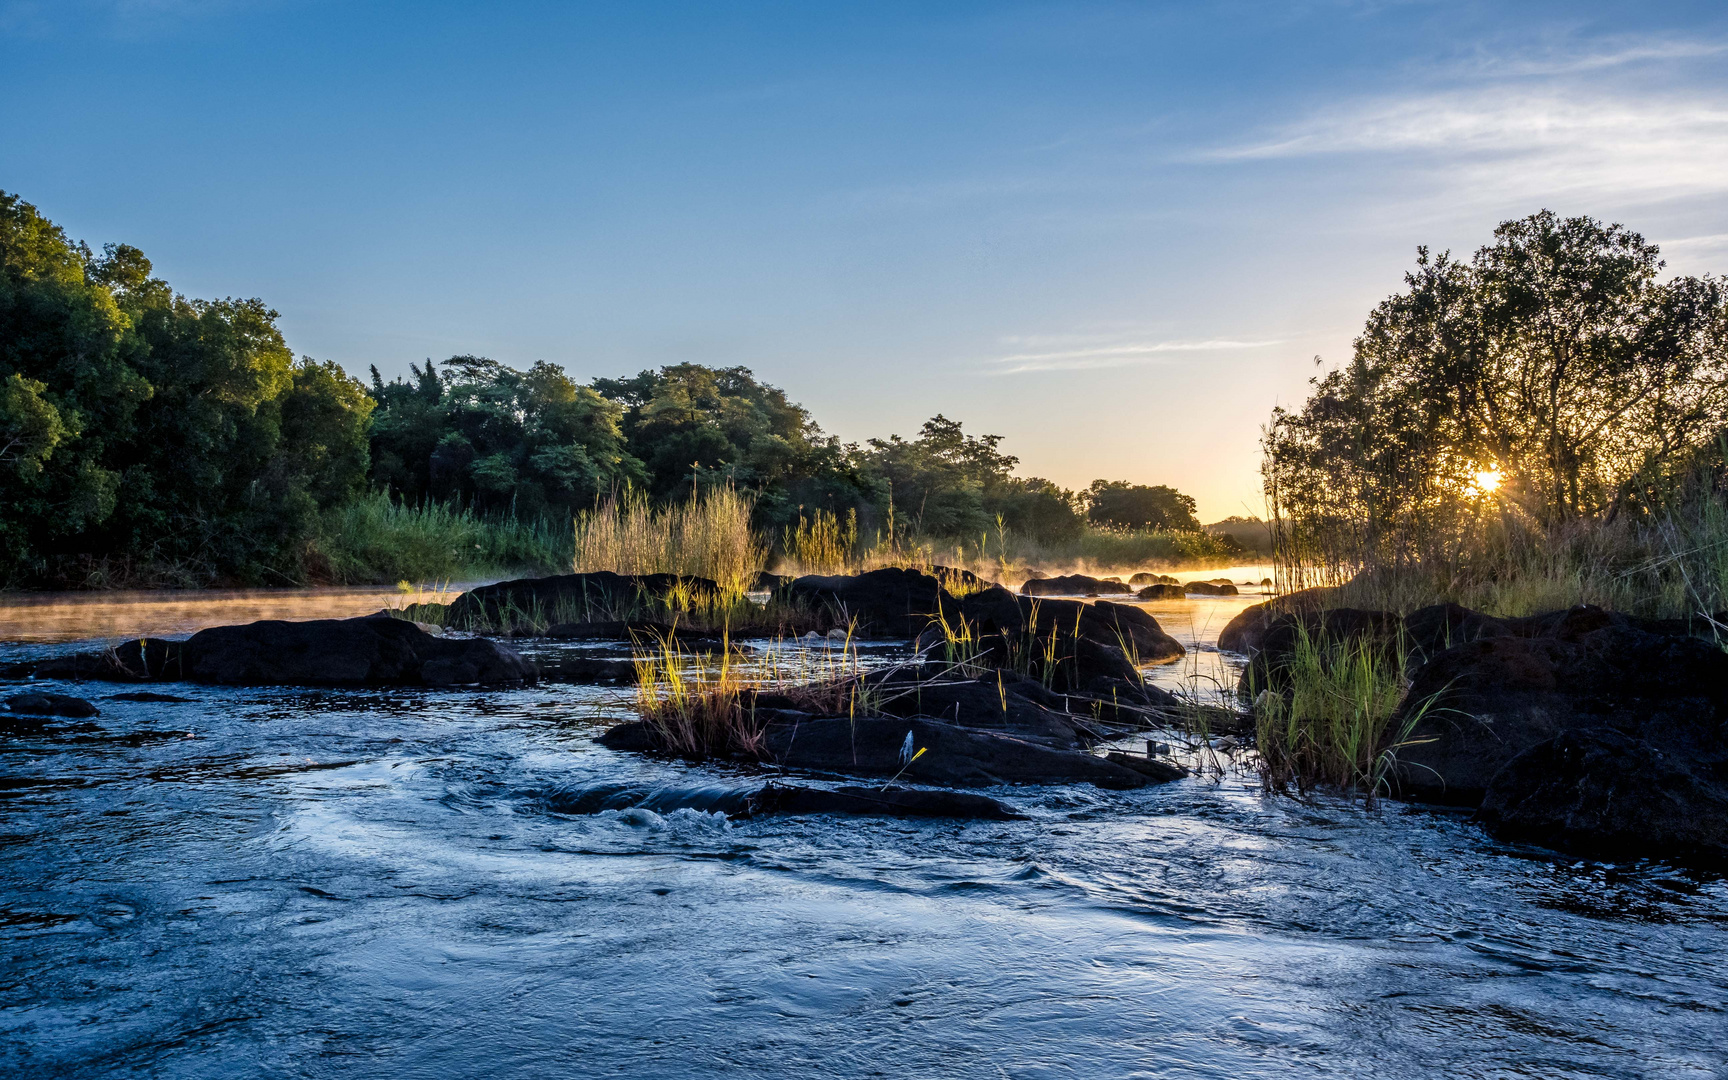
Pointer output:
1487, 480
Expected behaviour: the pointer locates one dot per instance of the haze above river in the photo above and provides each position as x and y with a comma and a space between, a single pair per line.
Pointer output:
326, 883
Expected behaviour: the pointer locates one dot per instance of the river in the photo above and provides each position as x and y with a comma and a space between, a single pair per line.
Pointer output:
294, 883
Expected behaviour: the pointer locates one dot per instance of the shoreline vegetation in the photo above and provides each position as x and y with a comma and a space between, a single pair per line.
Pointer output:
149, 439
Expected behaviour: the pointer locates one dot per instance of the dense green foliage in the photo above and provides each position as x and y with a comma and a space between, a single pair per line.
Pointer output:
1135, 506
150, 438
143, 427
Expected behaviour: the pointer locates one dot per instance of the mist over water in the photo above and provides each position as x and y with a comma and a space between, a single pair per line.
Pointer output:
280, 882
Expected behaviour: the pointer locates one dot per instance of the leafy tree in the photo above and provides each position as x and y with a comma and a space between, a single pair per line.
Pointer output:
147, 426
691, 424
498, 439
1119, 504
1555, 360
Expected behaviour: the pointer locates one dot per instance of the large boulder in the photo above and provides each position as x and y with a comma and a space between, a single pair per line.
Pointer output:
1432, 630
1070, 646
1476, 706
891, 602
373, 651
1152, 579
1075, 585
1244, 633
1602, 792
1268, 667
531, 604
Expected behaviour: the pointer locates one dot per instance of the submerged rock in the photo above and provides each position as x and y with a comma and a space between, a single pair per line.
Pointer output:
373, 651
49, 705
953, 756
1075, 585
777, 798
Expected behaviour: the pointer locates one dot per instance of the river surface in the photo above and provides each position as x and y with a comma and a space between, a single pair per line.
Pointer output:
293, 883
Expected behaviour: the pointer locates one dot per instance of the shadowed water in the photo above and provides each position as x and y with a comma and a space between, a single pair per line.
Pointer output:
310, 884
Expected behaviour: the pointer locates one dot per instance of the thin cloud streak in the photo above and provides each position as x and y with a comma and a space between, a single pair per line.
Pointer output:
1113, 356
1549, 143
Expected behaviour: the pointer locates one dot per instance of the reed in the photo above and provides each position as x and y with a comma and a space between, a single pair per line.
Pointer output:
1332, 718
820, 544
708, 535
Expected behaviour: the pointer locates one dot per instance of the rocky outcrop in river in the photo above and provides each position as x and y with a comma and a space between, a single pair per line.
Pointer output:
1586, 730
373, 651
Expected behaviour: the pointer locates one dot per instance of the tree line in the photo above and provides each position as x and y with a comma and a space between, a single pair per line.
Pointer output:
146, 435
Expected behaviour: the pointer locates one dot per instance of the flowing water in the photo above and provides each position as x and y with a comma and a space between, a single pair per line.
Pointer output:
276, 882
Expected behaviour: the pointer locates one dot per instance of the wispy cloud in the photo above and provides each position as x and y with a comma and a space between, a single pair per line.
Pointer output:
1110, 356
1577, 58
1526, 141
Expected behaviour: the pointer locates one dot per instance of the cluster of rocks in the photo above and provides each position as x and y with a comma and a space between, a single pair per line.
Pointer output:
1585, 730
1140, 586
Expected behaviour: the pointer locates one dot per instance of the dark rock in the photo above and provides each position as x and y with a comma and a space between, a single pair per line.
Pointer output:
1163, 592
600, 596
1244, 633
1153, 579
587, 671
374, 651
1210, 588
1487, 701
766, 582
956, 580
879, 802
636, 630
954, 756
149, 696
1604, 793
1268, 666
49, 705
1074, 585
1000, 701
1069, 645
890, 602
777, 798
1155, 769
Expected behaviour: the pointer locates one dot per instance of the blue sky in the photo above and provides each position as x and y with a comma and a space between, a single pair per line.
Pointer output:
1117, 234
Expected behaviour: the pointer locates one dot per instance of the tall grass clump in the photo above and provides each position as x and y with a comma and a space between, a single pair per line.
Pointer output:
820, 544
1329, 717
708, 536
377, 539
693, 706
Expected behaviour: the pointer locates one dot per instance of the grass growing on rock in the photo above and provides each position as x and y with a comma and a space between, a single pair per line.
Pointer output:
1332, 716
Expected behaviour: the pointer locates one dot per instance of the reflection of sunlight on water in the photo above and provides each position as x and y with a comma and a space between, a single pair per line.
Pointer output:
133, 613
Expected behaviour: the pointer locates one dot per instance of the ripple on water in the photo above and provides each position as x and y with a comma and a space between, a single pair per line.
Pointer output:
386, 884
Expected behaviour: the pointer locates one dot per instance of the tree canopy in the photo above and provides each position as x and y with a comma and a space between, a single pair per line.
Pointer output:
139, 423
1554, 367
1119, 504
